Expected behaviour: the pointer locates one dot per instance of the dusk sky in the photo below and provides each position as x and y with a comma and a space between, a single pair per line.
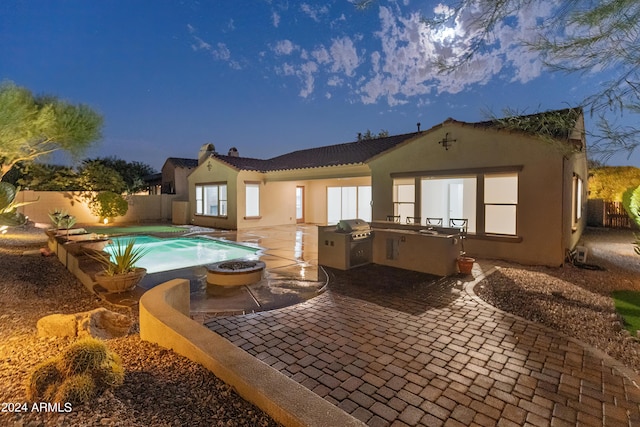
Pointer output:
267, 77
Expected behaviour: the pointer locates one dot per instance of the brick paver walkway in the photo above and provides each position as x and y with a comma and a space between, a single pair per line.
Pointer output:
398, 348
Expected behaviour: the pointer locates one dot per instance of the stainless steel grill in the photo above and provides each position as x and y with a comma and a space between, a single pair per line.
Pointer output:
347, 245
357, 228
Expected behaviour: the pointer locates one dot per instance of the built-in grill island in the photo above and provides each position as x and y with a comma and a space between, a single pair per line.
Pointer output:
355, 242
346, 245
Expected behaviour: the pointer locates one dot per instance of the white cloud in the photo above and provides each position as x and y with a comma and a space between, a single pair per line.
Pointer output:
200, 44
403, 65
275, 18
220, 52
306, 74
335, 81
344, 55
314, 12
321, 55
285, 47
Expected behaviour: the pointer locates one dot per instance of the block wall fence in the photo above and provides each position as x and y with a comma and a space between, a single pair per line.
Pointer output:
142, 208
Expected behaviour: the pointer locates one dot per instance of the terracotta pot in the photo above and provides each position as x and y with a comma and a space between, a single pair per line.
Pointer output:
465, 264
120, 282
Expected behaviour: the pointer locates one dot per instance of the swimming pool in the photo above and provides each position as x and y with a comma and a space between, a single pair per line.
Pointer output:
182, 252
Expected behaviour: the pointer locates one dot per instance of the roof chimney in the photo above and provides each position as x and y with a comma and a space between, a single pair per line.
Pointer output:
233, 152
205, 152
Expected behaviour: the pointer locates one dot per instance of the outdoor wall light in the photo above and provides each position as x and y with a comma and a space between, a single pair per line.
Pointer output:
446, 142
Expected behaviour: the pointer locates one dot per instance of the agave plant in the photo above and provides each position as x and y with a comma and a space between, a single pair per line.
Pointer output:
56, 217
125, 256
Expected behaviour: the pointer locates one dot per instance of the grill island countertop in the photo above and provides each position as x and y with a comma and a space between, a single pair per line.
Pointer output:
345, 245
353, 242
431, 251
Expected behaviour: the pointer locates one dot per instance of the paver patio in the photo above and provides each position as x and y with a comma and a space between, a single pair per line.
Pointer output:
400, 348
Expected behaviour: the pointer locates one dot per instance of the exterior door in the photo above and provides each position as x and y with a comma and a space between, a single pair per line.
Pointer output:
299, 204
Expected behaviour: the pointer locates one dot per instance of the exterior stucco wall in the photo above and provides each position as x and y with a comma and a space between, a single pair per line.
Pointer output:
181, 183
210, 172
277, 201
277, 193
168, 177
541, 220
176, 178
575, 165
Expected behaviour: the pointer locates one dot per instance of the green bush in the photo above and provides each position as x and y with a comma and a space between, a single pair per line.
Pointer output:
84, 370
631, 203
107, 204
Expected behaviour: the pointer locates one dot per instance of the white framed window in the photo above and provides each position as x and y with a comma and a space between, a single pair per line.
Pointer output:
445, 198
211, 199
500, 203
577, 199
404, 198
252, 198
348, 203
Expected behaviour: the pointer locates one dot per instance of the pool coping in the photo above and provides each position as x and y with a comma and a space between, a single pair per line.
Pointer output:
164, 320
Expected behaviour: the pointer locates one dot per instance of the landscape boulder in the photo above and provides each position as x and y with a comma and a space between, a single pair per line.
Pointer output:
98, 323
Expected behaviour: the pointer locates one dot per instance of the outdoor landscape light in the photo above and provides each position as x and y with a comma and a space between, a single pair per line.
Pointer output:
446, 142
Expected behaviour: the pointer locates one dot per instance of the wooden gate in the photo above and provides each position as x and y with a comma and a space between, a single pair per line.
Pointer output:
615, 216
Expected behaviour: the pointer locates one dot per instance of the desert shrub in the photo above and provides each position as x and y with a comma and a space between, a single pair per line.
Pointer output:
107, 204
85, 369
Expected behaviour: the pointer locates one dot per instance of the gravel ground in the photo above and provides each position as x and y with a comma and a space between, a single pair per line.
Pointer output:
574, 300
161, 388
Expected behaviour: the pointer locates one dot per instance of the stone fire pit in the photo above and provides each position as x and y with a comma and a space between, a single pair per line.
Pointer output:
235, 273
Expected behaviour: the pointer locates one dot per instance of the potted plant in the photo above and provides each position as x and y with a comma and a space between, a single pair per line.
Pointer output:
465, 263
121, 273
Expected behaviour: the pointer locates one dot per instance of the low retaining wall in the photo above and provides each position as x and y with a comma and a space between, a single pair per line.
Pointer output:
164, 319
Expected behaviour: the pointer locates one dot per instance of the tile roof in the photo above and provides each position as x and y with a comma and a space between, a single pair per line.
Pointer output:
183, 163
556, 124
331, 155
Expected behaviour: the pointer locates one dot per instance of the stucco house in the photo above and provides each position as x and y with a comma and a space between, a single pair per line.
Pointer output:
520, 183
174, 175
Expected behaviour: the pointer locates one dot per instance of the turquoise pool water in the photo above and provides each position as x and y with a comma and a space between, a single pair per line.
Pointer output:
182, 252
